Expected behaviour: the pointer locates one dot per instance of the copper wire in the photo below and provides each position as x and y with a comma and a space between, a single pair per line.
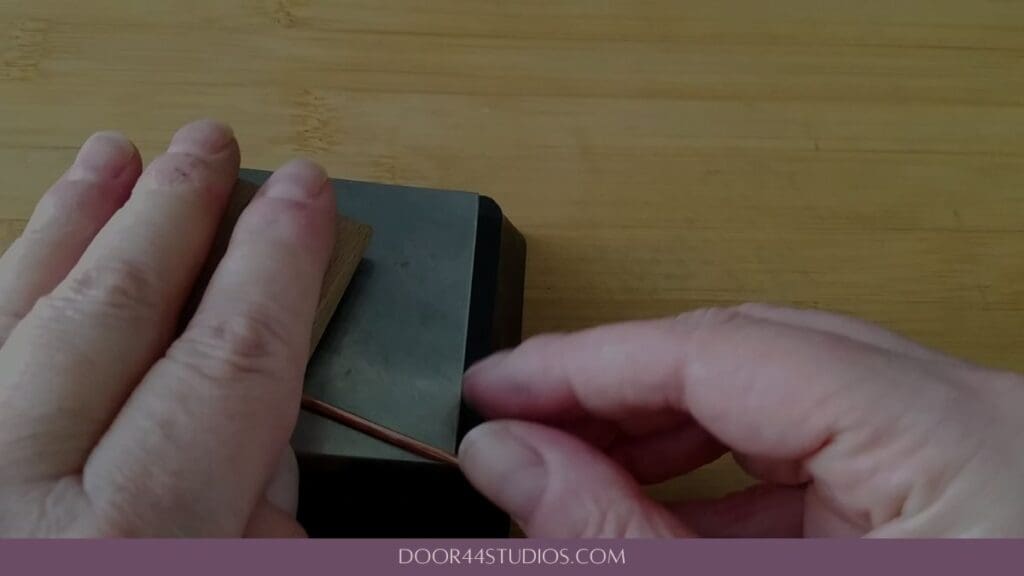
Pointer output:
374, 430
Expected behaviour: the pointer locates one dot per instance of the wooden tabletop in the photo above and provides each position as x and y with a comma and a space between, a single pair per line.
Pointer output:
659, 155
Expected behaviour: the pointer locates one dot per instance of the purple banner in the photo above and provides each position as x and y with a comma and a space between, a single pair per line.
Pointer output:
384, 557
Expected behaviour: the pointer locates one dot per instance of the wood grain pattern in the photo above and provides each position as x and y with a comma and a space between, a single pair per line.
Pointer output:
351, 240
659, 155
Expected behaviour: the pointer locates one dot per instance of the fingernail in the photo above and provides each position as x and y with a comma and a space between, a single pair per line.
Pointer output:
487, 364
297, 180
203, 137
105, 155
504, 467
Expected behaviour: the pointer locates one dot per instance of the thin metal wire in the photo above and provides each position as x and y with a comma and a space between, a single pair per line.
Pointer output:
374, 430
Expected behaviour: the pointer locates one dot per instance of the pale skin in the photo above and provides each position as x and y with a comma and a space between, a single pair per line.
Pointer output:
112, 423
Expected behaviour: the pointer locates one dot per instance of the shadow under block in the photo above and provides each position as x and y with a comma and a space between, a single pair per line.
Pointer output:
440, 287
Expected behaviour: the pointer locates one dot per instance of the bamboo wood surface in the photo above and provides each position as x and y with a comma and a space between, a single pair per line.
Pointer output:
659, 155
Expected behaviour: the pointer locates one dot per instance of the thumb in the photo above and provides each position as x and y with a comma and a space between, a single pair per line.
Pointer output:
555, 486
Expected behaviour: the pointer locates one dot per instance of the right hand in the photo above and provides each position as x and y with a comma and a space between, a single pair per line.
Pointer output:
852, 430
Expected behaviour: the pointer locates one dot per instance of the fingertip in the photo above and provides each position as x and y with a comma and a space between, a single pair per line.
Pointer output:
296, 204
301, 180
283, 488
476, 381
505, 466
268, 521
105, 156
487, 438
555, 485
482, 368
203, 137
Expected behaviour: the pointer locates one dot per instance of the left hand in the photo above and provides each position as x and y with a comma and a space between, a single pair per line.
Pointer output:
110, 423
